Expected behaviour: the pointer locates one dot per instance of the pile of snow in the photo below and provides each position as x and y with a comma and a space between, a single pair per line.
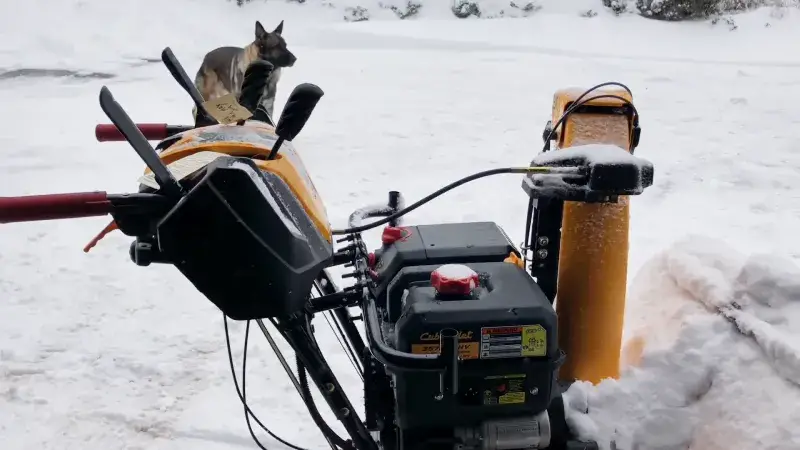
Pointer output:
714, 361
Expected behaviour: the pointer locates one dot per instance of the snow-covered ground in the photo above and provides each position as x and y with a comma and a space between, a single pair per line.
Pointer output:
96, 353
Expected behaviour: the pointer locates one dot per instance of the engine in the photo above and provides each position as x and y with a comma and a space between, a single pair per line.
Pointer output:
466, 277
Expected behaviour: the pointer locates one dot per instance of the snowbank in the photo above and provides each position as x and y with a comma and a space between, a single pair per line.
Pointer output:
717, 345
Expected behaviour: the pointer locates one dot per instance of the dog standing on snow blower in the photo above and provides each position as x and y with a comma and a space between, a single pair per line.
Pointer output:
222, 69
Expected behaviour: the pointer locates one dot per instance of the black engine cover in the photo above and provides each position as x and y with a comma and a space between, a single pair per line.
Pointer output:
508, 338
508, 346
435, 244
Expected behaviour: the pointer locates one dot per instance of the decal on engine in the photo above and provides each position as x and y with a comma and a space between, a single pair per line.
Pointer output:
534, 340
466, 350
504, 389
462, 336
513, 342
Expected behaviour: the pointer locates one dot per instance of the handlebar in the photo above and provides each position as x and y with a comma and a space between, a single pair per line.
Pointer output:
106, 132
30, 208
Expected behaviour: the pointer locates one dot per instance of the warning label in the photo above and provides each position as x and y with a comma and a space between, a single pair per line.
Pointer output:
504, 390
513, 342
534, 340
466, 350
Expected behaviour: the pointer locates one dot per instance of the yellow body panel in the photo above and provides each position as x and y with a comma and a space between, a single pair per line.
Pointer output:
593, 262
255, 139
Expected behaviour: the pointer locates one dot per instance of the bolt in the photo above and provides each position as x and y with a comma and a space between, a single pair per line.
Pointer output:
543, 241
438, 397
344, 412
330, 387
542, 254
534, 391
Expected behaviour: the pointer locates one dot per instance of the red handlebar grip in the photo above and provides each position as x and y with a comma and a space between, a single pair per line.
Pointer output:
30, 208
109, 132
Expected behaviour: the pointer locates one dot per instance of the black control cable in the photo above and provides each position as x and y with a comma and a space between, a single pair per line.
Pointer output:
580, 101
248, 412
453, 185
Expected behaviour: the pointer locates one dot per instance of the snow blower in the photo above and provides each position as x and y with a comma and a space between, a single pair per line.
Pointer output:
464, 345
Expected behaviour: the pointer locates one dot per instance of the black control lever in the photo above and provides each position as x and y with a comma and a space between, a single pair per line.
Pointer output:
179, 74
254, 87
298, 109
168, 184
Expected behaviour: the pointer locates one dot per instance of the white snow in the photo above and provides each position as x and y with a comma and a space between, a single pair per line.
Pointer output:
96, 353
709, 379
600, 153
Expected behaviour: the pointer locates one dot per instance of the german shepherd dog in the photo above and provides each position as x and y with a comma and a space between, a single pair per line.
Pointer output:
222, 69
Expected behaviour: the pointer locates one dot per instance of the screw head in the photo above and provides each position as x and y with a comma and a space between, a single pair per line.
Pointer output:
542, 254
543, 241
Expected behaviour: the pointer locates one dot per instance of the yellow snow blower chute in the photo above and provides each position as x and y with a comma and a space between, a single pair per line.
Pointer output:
593, 265
462, 344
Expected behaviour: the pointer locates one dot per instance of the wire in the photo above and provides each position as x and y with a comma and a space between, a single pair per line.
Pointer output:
340, 336
339, 333
580, 101
452, 186
577, 105
334, 439
244, 386
241, 396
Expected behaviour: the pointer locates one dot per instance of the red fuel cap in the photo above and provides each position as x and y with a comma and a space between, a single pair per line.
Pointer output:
454, 279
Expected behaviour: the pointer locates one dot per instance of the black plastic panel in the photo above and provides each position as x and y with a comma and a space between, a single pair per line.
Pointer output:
607, 171
441, 244
496, 376
245, 241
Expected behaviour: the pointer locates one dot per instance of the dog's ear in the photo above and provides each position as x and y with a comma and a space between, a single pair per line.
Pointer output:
260, 31
279, 28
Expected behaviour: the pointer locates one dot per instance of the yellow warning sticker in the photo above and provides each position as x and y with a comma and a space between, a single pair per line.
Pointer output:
504, 389
534, 340
512, 398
